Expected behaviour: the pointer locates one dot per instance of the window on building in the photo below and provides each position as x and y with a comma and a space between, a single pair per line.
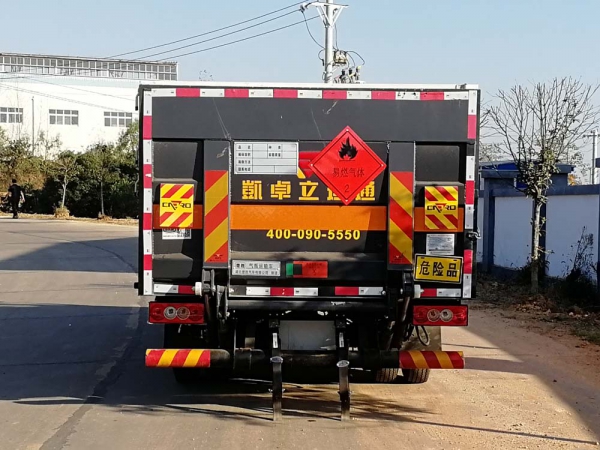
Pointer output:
64, 117
11, 115
117, 119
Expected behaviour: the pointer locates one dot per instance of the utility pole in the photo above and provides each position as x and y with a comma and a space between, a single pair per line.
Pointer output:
328, 42
594, 136
329, 12
33, 125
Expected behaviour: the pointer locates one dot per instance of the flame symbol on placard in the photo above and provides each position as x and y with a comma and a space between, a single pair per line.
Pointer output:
348, 151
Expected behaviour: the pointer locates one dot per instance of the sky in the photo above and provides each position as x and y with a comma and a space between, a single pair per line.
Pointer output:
493, 43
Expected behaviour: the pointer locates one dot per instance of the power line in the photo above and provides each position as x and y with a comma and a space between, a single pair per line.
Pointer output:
310, 32
67, 86
242, 40
55, 97
206, 33
142, 58
358, 54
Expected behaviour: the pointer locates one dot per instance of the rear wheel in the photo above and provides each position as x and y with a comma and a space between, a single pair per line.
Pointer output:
415, 376
386, 375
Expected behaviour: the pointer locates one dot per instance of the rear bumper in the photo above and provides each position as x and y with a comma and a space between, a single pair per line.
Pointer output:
333, 304
247, 359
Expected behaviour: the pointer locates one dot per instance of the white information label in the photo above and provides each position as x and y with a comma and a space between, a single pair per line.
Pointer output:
440, 244
265, 158
174, 234
256, 268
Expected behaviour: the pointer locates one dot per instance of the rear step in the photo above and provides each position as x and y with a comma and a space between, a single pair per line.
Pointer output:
245, 359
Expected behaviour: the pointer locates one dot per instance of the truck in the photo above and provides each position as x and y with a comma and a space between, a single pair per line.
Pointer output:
285, 226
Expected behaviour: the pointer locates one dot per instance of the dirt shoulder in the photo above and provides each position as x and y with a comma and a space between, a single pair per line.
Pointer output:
544, 312
105, 220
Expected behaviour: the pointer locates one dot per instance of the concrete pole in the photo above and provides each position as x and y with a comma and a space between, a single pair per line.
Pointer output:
328, 77
594, 156
33, 125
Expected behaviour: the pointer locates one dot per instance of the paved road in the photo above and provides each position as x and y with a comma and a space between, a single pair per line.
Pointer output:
73, 332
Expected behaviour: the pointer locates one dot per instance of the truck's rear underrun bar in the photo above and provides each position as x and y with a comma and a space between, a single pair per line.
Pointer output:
246, 359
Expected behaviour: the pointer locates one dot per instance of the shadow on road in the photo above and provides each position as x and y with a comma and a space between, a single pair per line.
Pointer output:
37, 252
71, 354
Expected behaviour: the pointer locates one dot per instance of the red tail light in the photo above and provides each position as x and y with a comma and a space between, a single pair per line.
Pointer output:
457, 316
192, 313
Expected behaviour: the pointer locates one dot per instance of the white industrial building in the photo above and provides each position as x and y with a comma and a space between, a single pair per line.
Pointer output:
81, 100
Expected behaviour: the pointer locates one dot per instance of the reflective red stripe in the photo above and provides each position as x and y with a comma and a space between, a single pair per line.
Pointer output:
432, 96
180, 358
237, 93
147, 126
147, 221
431, 360
383, 95
282, 292
468, 262
335, 95
187, 290
285, 93
147, 262
457, 360
187, 92
147, 174
429, 292
340, 290
470, 192
472, 127
153, 357
204, 360
406, 361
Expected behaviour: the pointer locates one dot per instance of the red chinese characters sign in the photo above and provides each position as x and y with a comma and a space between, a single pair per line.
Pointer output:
347, 165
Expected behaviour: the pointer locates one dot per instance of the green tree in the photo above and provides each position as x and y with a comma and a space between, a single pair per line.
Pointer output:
65, 168
15, 156
100, 164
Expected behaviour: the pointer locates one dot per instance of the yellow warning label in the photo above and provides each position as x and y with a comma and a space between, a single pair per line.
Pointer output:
441, 208
176, 205
438, 268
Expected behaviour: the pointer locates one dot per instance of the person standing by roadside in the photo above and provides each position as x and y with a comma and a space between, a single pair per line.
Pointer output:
17, 196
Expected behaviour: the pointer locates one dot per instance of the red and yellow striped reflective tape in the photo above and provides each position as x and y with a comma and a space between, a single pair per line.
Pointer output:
401, 218
216, 213
415, 359
177, 358
441, 208
176, 205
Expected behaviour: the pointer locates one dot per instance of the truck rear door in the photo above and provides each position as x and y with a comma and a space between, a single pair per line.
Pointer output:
314, 193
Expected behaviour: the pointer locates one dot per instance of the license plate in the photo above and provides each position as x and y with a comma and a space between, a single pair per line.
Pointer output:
438, 268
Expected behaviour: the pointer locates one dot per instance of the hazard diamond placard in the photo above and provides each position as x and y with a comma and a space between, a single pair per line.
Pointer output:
176, 205
441, 208
347, 165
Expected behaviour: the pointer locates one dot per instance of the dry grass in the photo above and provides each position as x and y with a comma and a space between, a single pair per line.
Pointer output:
548, 307
105, 219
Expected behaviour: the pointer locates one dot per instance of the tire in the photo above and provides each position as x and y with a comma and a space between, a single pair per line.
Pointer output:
386, 375
415, 376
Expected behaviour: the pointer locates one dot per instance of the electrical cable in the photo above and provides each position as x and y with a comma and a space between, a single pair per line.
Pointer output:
143, 58
426, 341
310, 32
358, 54
242, 40
41, 94
203, 34
68, 87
